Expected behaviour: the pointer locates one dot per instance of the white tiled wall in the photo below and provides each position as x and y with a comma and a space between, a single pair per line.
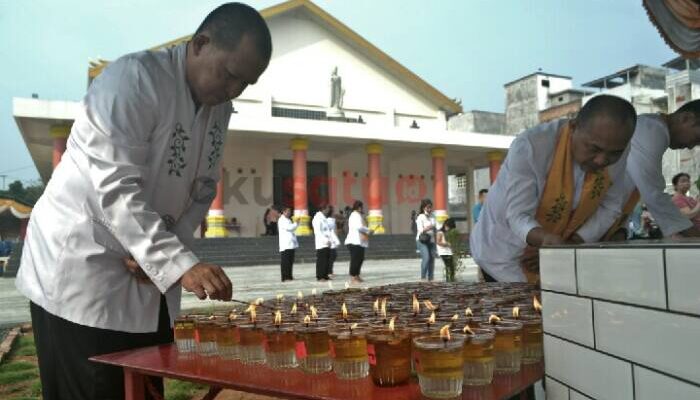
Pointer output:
652, 386
632, 276
556, 391
558, 270
568, 316
629, 319
663, 341
588, 371
683, 273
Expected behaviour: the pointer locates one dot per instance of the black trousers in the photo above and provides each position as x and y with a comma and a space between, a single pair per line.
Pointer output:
357, 257
331, 262
323, 260
63, 348
286, 264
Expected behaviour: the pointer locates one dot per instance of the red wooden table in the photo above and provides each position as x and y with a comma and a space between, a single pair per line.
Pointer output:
165, 361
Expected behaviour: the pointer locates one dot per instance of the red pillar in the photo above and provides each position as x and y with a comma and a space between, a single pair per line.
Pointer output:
301, 199
439, 184
216, 221
59, 133
495, 159
375, 219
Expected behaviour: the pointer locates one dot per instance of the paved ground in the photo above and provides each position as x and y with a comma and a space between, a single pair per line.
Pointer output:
264, 281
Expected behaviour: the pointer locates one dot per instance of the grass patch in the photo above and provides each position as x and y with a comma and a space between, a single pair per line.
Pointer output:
19, 374
179, 390
8, 378
13, 366
25, 346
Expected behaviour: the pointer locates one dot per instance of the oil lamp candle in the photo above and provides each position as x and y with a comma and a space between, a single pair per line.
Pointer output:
185, 334
389, 352
478, 356
349, 351
507, 345
251, 348
439, 363
206, 335
312, 347
532, 340
280, 344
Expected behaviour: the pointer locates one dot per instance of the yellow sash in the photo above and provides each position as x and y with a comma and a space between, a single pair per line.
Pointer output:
555, 213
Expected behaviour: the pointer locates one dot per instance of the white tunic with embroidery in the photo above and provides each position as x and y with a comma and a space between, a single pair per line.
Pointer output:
137, 178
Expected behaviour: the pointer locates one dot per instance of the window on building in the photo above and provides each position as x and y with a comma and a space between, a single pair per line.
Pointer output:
298, 113
545, 83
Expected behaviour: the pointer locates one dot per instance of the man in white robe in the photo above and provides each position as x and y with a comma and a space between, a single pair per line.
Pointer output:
108, 249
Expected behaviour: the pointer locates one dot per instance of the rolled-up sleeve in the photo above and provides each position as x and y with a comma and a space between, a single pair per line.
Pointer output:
521, 189
121, 114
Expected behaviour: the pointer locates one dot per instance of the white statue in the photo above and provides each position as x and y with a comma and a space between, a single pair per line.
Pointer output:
337, 94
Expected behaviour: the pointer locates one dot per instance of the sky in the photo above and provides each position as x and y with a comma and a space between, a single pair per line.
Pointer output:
465, 48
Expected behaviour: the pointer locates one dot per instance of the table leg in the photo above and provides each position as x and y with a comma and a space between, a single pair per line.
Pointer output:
134, 385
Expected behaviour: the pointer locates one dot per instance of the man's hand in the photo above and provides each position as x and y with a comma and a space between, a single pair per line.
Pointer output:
133, 267
207, 280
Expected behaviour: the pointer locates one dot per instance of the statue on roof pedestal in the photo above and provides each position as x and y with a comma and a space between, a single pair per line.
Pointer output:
337, 94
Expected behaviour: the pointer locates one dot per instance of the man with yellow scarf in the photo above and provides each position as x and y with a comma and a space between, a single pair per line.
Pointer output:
561, 182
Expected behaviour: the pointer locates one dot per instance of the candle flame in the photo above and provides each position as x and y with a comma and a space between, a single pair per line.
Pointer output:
375, 306
300, 295
232, 316
494, 318
416, 304
467, 330
445, 333
314, 313
455, 317
347, 285
431, 320
516, 312
468, 312
294, 309
536, 304
278, 318
344, 311
251, 310
353, 326
307, 320
383, 308
391, 324
429, 305
259, 301
280, 296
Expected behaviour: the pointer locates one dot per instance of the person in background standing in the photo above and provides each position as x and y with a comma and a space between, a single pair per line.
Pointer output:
335, 241
425, 238
476, 210
446, 238
357, 240
322, 239
287, 242
266, 223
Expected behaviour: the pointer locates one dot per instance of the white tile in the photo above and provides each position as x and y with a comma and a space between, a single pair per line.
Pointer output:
578, 396
683, 277
664, 341
628, 275
596, 374
556, 391
557, 271
652, 386
569, 317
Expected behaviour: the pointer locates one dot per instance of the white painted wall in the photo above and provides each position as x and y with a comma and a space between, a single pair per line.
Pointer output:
303, 58
556, 84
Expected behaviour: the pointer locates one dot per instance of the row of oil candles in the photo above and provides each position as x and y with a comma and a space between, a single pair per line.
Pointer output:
446, 352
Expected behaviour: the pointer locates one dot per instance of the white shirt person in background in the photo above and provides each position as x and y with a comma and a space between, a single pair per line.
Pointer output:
322, 240
288, 242
108, 249
357, 240
335, 242
425, 227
